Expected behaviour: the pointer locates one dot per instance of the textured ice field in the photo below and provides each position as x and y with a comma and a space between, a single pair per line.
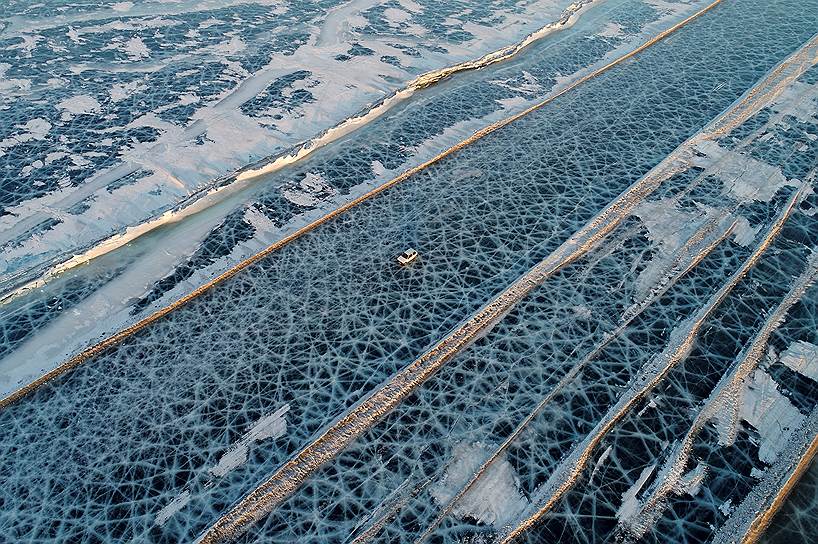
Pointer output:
116, 112
88, 302
610, 334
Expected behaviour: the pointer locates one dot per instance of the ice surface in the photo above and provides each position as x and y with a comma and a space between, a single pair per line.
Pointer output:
234, 240
172, 85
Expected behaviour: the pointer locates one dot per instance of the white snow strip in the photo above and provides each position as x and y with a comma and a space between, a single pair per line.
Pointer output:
79, 105
630, 504
271, 426
173, 507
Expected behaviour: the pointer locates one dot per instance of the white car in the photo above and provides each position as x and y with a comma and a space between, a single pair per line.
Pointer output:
407, 257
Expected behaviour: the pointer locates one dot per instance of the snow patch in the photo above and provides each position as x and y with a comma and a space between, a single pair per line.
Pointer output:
271, 426
743, 232
122, 6
397, 16
764, 407
235, 45
136, 49
121, 91
82, 104
727, 507
259, 221
611, 30
495, 499
744, 177
12, 84
670, 228
802, 357
798, 100
174, 506
35, 129
312, 190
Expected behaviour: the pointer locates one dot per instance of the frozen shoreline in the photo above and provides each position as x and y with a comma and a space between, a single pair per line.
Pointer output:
202, 196
179, 171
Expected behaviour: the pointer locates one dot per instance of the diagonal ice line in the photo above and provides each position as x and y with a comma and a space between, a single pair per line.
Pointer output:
118, 337
366, 412
753, 515
760, 95
700, 244
664, 285
566, 474
722, 398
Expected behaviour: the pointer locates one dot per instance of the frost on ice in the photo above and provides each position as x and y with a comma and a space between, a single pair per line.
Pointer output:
495, 499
